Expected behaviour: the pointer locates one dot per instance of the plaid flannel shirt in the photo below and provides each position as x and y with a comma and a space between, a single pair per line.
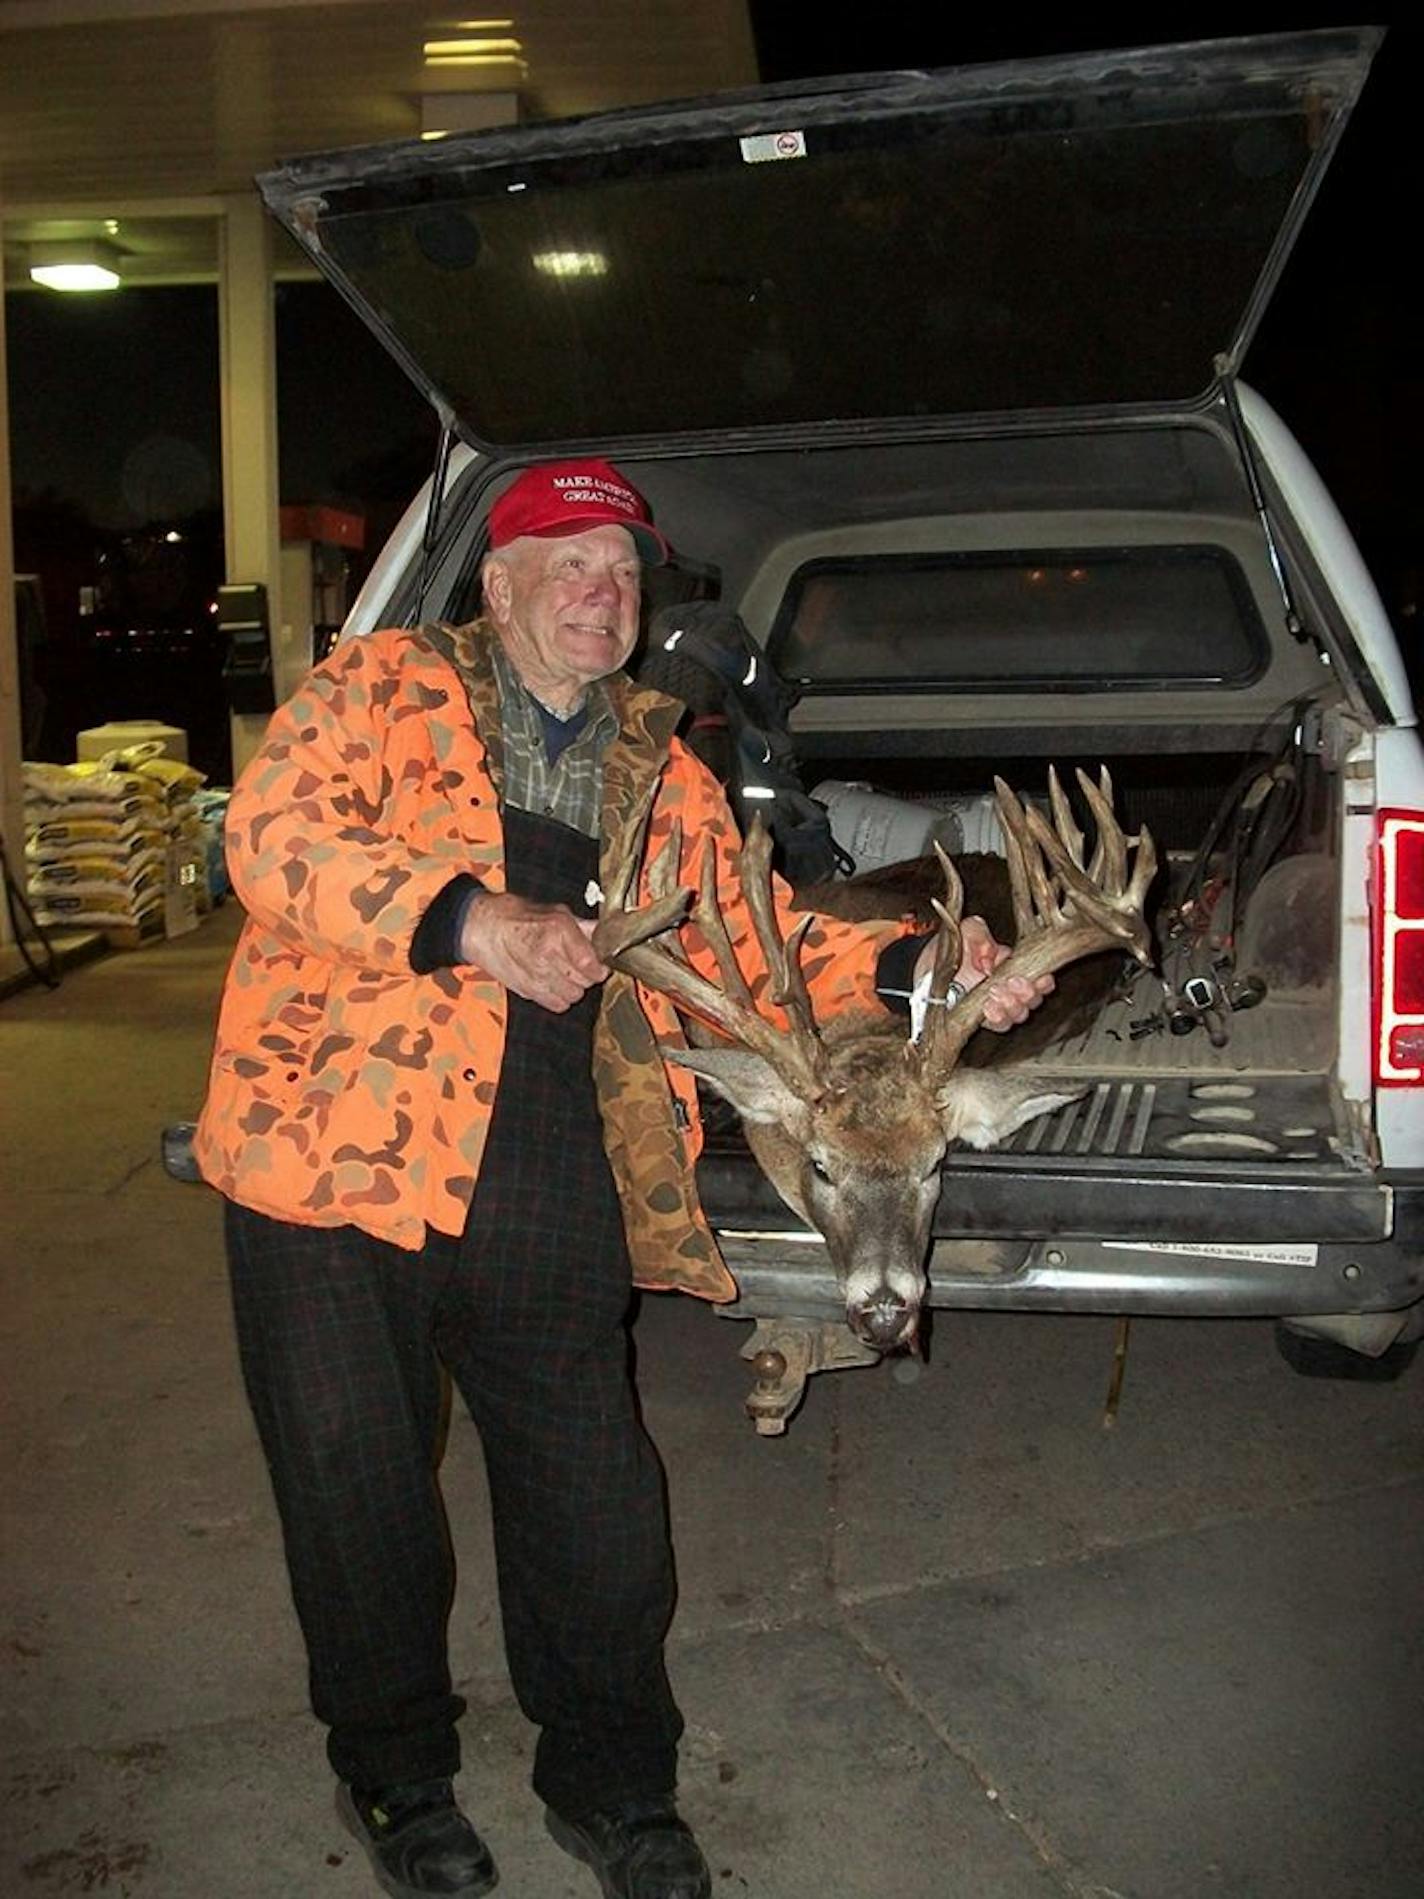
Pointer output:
571, 790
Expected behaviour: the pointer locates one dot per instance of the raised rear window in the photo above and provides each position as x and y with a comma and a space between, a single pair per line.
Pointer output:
1074, 232
1120, 619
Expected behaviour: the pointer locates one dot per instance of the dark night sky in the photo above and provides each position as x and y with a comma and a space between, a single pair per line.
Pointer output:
114, 401
114, 426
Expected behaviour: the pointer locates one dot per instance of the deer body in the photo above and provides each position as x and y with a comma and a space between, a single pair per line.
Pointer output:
850, 1123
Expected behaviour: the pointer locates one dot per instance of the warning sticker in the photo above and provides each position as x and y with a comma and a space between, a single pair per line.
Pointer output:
767, 145
1302, 1253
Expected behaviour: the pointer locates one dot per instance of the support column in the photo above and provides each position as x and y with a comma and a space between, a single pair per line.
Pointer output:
12, 826
247, 334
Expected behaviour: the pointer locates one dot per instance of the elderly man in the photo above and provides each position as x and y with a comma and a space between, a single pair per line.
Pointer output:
438, 1129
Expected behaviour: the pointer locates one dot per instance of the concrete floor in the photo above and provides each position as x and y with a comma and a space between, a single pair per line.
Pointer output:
951, 1640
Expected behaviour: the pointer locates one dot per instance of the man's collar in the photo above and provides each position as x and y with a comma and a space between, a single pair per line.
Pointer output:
474, 644
597, 701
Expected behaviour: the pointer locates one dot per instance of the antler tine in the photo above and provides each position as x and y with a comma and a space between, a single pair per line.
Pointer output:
662, 872
1064, 822
1105, 786
1144, 869
791, 991
783, 959
619, 928
1144, 865
1110, 858
614, 936
1062, 911
621, 938
1017, 820
953, 888
1099, 903
949, 949
1018, 880
708, 918
1113, 844
619, 877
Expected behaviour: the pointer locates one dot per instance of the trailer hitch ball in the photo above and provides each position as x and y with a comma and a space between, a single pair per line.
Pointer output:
783, 1353
776, 1392
769, 1366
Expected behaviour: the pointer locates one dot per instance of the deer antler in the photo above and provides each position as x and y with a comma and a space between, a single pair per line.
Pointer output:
1062, 911
796, 1054
618, 928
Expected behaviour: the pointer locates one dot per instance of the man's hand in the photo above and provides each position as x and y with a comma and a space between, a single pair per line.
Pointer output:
540, 951
1008, 1002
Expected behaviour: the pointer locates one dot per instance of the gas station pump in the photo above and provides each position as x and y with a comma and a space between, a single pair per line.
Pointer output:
266, 662
317, 545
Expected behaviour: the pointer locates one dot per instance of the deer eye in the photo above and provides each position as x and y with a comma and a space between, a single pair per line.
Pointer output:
819, 1171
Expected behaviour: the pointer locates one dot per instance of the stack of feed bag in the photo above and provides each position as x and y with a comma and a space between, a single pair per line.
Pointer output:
188, 893
211, 804
116, 843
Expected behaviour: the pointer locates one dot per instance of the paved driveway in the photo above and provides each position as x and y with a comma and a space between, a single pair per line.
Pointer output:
947, 1640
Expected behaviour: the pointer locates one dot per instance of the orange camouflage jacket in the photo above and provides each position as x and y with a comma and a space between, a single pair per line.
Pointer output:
344, 1088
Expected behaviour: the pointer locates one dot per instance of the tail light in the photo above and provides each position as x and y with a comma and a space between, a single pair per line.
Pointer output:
1399, 950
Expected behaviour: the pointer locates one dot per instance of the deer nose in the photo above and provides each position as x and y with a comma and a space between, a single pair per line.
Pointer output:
884, 1321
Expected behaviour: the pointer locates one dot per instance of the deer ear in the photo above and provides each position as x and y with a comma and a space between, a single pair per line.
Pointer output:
752, 1086
981, 1107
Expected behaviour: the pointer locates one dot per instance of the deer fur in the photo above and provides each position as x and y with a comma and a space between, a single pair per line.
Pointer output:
862, 1164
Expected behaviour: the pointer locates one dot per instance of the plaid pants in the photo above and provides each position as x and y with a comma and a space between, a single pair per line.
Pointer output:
339, 1335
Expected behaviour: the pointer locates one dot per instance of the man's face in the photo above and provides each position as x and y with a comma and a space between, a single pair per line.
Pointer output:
565, 610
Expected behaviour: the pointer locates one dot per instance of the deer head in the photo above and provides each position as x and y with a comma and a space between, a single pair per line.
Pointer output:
850, 1123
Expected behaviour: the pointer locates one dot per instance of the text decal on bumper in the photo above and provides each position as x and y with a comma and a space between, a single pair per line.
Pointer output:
1302, 1253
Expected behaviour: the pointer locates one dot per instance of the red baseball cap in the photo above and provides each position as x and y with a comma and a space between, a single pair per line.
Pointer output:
560, 498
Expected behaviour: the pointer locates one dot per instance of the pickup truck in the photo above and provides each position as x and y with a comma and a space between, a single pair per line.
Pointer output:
934, 381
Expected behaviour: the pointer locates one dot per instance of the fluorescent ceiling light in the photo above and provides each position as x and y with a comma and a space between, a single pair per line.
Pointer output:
82, 264
448, 49
74, 276
510, 61
571, 263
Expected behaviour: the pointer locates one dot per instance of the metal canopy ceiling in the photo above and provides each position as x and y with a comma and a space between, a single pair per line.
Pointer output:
108, 106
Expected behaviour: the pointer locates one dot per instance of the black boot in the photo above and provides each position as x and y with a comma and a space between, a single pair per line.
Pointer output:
420, 1844
639, 1850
